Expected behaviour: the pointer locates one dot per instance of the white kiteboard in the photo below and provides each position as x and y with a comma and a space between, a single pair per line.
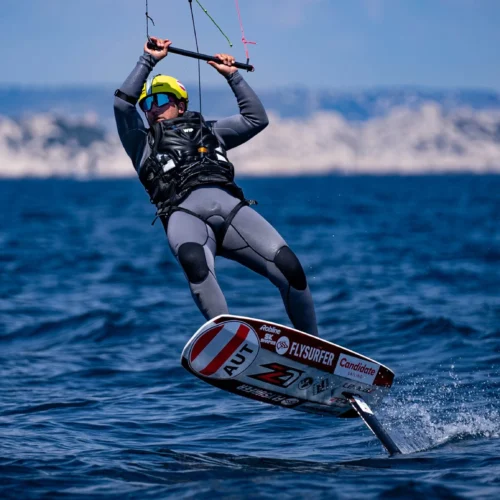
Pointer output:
285, 367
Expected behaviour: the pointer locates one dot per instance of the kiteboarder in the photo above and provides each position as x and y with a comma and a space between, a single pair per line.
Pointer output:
182, 161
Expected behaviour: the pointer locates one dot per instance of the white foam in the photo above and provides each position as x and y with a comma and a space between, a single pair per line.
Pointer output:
441, 412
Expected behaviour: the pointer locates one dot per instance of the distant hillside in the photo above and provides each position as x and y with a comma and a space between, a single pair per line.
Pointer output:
406, 139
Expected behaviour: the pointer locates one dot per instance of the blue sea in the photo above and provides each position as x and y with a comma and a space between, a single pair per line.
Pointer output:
94, 313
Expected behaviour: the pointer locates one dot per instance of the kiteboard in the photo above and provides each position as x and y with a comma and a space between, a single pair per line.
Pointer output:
279, 365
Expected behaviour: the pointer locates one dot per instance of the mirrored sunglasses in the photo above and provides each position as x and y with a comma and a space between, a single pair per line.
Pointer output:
158, 99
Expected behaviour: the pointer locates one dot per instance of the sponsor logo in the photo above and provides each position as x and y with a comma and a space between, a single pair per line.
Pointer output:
362, 405
356, 369
290, 402
238, 360
267, 396
321, 387
187, 129
268, 339
280, 375
307, 352
224, 351
269, 329
282, 345
305, 383
338, 402
359, 388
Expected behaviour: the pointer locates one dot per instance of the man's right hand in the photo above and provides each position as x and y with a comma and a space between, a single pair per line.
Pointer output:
162, 44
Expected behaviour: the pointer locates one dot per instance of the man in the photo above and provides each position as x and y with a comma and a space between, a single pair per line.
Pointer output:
182, 162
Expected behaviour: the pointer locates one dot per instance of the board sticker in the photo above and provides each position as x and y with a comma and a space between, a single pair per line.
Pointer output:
267, 396
364, 407
356, 369
305, 352
225, 350
277, 374
282, 345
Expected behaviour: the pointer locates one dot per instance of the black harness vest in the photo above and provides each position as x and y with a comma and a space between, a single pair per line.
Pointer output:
185, 154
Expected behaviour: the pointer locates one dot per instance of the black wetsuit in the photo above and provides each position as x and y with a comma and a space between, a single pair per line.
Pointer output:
201, 229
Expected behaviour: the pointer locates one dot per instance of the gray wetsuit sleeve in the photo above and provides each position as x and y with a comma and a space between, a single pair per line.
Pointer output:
131, 129
235, 130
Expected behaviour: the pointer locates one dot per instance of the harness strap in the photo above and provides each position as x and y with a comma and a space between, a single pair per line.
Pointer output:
164, 213
225, 226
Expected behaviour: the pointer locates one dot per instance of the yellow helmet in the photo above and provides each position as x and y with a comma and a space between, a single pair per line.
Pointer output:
162, 84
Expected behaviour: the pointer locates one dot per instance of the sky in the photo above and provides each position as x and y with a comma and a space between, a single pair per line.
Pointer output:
338, 44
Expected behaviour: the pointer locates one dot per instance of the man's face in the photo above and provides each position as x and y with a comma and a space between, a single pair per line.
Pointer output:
171, 109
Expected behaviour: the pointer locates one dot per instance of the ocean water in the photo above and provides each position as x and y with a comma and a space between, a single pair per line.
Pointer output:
94, 313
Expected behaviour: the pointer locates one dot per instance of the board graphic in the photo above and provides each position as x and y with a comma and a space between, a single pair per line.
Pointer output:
282, 366
225, 350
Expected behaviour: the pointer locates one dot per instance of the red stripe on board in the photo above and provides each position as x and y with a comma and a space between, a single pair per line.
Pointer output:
204, 341
226, 351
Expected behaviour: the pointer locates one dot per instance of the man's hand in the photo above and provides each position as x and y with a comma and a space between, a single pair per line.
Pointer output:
226, 68
162, 44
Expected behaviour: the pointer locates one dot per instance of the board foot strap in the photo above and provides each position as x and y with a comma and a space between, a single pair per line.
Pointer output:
365, 412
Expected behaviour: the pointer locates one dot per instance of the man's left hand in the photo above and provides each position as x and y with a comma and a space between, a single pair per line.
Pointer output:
225, 68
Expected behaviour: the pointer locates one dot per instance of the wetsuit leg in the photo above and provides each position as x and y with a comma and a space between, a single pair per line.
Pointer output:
253, 242
193, 244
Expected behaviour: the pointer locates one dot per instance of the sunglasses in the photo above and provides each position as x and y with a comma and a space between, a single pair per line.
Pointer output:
159, 100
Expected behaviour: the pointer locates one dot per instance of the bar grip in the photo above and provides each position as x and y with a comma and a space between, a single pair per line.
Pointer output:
196, 55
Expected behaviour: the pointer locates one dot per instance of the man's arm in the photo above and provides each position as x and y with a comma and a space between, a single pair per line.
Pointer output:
131, 129
237, 129
130, 126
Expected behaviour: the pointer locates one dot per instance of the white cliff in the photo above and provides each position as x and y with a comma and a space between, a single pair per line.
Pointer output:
405, 141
